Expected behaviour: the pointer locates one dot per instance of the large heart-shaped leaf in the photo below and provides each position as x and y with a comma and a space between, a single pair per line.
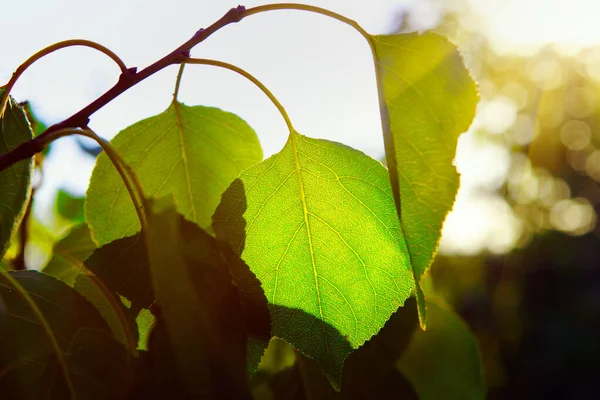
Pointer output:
427, 98
192, 153
15, 181
317, 225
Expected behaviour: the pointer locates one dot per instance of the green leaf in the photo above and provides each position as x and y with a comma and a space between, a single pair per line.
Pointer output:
278, 356
145, 321
123, 266
69, 206
67, 264
206, 326
69, 254
15, 181
443, 362
35, 366
120, 319
370, 371
192, 153
37, 126
104, 369
317, 225
427, 98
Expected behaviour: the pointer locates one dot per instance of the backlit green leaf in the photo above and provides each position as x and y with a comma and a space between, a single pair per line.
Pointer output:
69, 206
192, 153
145, 321
443, 362
317, 225
15, 181
69, 254
427, 98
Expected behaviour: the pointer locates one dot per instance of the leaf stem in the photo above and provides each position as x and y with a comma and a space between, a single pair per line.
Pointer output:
251, 78
46, 327
51, 49
130, 77
178, 81
309, 8
129, 177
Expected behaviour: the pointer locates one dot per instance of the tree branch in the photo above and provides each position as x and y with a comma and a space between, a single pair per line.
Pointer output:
127, 79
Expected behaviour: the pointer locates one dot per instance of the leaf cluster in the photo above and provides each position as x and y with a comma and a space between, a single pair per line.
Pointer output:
201, 270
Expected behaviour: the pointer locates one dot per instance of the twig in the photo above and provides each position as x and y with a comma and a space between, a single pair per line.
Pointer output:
131, 77
128, 78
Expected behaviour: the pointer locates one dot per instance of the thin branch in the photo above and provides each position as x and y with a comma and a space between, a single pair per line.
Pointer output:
131, 77
51, 49
127, 79
250, 77
130, 179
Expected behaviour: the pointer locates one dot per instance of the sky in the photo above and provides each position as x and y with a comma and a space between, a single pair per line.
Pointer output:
319, 69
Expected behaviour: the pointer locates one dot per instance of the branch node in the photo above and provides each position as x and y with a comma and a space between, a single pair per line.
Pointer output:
128, 75
198, 32
181, 57
237, 13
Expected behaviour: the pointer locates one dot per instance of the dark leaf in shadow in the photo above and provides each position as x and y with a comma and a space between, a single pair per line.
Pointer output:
123, 266
32, 365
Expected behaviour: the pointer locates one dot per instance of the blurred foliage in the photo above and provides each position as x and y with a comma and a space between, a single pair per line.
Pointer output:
69, 206
533, 306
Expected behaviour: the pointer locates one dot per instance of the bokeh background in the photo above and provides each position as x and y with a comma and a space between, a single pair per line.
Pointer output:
520, 253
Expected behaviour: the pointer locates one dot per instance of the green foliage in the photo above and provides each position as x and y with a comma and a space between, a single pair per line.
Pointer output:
443, 359
15, 182
176, 282
38, 349
69, 206
306, 221
427, 99
69, 254
192, 153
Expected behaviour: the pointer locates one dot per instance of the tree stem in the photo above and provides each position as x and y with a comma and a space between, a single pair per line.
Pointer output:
130, 77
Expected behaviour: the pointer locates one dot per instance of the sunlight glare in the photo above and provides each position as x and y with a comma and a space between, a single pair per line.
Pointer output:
524, 26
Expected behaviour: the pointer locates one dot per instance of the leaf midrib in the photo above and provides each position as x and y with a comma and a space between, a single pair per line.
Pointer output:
184, 157
308, 232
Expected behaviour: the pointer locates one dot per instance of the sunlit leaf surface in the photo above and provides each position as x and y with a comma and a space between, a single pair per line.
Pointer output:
192, 153
427, 98
317, 225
